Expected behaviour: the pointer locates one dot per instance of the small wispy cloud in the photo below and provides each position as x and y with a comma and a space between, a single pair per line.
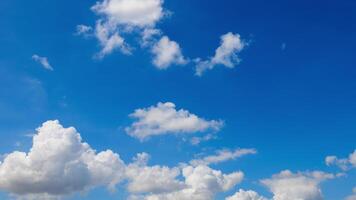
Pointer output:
222, 156
43, 61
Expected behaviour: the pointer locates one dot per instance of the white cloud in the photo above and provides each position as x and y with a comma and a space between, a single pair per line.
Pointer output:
226, 54
122, 16
83, 30
109, 40
165, 119
353, 196
198, 140
43, 61
166, 53
59, 163
222, 156
148, 35
202, 183
246, 195
151, 179
343, 163
292, 186
133, 13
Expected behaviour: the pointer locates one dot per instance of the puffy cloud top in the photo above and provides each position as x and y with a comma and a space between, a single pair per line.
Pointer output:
300, 186
139, 13
59, 163
166, 53
246, 195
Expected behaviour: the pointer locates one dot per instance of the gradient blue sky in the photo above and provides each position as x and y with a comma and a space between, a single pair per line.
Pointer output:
295, 105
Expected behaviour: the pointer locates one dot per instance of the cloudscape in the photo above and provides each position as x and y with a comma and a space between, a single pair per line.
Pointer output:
177, 100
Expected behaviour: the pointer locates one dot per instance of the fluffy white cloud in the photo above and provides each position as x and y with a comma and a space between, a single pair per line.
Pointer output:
202, 183
296, 186
226, 54
58, 163
246, 195
43, 61
151, 179
222, 156
109, 40
122, 16
165, 119
166, 53
343, 163
133, 13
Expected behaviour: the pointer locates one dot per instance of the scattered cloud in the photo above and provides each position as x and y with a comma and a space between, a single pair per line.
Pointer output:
226, 54
84, 30
43, 61
302, 185
222, 156
246, 195
166, 53
164, 118
198, 140
343, 163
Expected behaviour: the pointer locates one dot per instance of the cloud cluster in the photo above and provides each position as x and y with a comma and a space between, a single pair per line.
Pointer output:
59, 163
226, 54
164, 118
118, 19
43, 61
121, 18
222, 156
343, 163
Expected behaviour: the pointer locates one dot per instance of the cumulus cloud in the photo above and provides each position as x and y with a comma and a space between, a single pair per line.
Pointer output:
133, 13
43, 61
246, 195
166, 53
202, 183
58, 163
343, 163
291, 186
164, 118
117, 17
226, 54
222, 156
353, 196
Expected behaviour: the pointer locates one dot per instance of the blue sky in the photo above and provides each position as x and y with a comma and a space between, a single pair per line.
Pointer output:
290, 95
